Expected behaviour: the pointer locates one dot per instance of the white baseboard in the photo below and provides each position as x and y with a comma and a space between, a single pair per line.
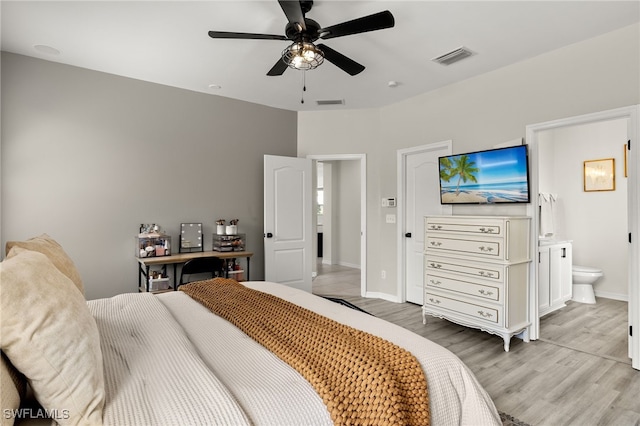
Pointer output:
614, 296
383, 296
349, 265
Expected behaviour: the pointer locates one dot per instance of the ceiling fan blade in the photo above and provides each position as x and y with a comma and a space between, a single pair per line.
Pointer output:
225, 34
278, 69
293, 10
348, 65
377, 21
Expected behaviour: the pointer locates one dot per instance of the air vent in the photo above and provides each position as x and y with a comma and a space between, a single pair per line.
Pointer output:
331, 102
453, 56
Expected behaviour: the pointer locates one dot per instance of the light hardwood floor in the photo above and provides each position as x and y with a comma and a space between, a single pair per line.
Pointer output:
578, 373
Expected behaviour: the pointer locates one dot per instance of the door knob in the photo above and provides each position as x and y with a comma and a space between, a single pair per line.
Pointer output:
408, 235
269, 235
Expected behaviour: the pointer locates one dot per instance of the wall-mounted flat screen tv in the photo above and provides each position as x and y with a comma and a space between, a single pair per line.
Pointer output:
485, 177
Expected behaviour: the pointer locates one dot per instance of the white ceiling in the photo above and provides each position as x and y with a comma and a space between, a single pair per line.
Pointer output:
166, 42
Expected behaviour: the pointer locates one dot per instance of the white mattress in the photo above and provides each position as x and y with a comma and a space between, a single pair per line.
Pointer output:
169, 360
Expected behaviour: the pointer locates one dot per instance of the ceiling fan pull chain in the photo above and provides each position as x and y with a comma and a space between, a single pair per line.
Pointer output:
304, 85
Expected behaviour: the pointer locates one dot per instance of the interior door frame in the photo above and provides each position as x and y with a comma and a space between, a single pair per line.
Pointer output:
400, 225
362, 158
632, 114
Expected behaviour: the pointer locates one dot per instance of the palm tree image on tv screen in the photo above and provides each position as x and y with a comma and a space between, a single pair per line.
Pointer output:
493, 176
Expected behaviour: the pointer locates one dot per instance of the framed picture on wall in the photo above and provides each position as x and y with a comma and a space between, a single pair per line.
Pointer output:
600, 175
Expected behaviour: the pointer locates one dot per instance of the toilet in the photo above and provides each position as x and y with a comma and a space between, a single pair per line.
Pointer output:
583, 279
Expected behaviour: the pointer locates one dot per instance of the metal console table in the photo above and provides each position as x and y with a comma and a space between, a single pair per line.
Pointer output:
145, 263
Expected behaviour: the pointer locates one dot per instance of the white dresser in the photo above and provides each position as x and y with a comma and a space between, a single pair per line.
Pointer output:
477, 272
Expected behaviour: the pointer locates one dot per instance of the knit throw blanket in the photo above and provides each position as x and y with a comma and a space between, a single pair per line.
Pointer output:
363, 379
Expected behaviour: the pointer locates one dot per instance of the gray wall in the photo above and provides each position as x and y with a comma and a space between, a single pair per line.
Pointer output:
88, 156
347, 219
342, 218
595, 75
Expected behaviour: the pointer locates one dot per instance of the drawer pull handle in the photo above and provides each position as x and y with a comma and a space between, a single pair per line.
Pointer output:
436, 227
485, 314
485, 274
435, 243
435, 265
486, 230
435, 282
485, 292
434, 301
485, 249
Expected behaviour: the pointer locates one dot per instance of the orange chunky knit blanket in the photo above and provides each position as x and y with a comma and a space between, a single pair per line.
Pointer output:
362, 378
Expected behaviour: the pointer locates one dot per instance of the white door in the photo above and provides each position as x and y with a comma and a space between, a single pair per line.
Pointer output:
287, 221
566, 265
544, 280
420, 197
555, 275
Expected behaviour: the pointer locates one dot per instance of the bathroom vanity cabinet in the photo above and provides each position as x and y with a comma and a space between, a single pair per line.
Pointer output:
554, 275
477, 272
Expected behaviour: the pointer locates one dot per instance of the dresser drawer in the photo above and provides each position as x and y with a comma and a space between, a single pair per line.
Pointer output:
484, 226
489, 271
483, 247
469, 288
487, 313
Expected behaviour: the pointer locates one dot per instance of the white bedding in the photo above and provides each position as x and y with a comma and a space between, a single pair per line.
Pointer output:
169, 360
153, 373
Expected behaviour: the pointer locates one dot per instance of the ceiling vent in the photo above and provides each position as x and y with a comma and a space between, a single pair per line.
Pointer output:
453, 56
331, 102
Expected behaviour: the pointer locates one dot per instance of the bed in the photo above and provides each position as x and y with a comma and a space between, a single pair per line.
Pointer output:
165, 359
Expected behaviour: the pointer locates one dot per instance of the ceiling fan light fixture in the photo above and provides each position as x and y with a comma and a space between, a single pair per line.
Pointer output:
303, 55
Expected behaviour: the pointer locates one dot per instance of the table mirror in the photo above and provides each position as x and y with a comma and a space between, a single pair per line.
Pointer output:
191, 237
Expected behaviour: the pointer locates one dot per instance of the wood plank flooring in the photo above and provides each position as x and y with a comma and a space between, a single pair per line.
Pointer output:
599, 329
578, 373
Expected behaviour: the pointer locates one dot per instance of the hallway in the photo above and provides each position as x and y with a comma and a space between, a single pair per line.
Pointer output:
336, 280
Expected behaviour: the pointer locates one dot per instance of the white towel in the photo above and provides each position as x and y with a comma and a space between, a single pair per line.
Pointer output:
547, 214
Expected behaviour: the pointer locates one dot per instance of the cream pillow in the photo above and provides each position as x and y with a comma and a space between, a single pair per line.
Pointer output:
12, 389
54, 251
50, 336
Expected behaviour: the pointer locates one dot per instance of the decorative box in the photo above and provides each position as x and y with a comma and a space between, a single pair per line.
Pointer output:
234, 242
153, 245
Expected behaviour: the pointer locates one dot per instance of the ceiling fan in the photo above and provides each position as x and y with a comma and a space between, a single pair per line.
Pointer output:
302, 53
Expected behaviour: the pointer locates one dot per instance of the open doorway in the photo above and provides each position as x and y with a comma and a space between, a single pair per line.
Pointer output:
593, 227
340, 237
534, 133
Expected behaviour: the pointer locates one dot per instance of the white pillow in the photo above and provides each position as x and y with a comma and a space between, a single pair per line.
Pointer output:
50, 336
